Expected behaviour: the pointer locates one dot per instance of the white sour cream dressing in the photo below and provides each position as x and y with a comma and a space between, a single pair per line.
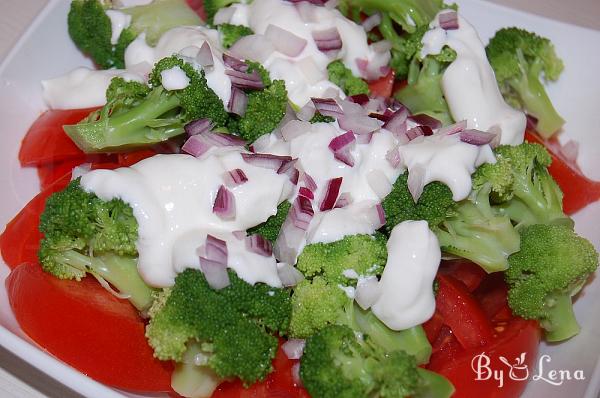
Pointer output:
445, 158
301, 20
172, 198
406, 286
118, 22
469, 83
174, 79
82, 87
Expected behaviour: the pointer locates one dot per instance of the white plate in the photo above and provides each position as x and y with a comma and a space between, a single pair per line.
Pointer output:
45, 51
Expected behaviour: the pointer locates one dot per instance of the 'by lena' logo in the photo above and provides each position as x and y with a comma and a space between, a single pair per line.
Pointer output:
519, 371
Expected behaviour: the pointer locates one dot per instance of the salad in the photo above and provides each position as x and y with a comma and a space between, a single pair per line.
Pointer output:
298, 198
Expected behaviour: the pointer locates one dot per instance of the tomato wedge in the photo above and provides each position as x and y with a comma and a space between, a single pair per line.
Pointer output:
46, 140
198, 6
578, 190
86, 327
384, 85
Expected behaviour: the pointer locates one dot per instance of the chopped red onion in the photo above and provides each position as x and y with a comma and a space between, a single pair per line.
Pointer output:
259, 245
288, 168
254, 47
235, 177
315, 2
302, 212
196, 145
308, 181
449, 20
265, 160
360, 99
367, 292
385, 69
344, 200
425, 120
419, 131
362, 64
396, 124
289, 275
293, 348
215, 273
224, 205
239, 234
379, 183
364, 139
359, 124
393, 156
328, 39
476, 137
416, 182
453, 128
215, 249
331, 193
380, 214
285, 41
293, 129
341, 147
531, 122
235, 63
204, 57
306, 112
251, 81
381, 47
327, 107
371, 22
307, 193
238, 101
198, 126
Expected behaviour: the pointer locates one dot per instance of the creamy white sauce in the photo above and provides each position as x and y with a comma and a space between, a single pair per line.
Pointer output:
118, 22
184, 38
174, 79
130, 3
82, 87
172, 198
445, 158
302, 19
469, 83
406, 286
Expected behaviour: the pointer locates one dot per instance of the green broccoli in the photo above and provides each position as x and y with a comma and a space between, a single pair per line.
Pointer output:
470, 228
266, 108
270, 228
231, 33
212, 6
341, 76
319, 118
131, 119
533, 197
339, 363
232, 327
84, 234
91, 30
520, 59
551, 267
360, 254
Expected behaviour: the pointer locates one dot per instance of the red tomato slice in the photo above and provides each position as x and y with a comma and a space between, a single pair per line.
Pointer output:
462, 313
465, 271
46, 140
198, 6
384, 85
514, 339
21, 239
86, 327
578, 190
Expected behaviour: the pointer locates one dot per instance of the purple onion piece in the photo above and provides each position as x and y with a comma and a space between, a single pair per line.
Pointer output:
235, 63
285, 41
265, 160
235, 177
205, 57
328, 107
425, 120
198, 126
307, 193
238, 101
259, 245
328, 39
476, 137
302, 212
341, 147
343, 200
288, 167
215, 249
293, 348
251, 81
308, 181
224, 205
215, 273
449, 20
331, 194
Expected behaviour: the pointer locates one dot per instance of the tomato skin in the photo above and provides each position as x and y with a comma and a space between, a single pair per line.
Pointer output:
384, 85
46, 140
465, 271
462, 313
86, 327
578, 190
198, 6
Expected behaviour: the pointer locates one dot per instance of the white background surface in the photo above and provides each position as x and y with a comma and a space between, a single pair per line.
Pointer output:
18, 379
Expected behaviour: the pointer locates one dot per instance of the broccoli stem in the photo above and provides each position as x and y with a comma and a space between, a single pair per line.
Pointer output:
434, 385
543, 201
193, 380
537, 103
139, 125
560, 323
121, 272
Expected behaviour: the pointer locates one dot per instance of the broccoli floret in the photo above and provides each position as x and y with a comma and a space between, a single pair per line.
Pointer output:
365, 255
535, 198
270, 228
520, 60
90, 27
232, 33
266, 108
341, 76
212, 6
551, 267
84, 234
228, 324
339, 363
130, 119
470, 228
319, 118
